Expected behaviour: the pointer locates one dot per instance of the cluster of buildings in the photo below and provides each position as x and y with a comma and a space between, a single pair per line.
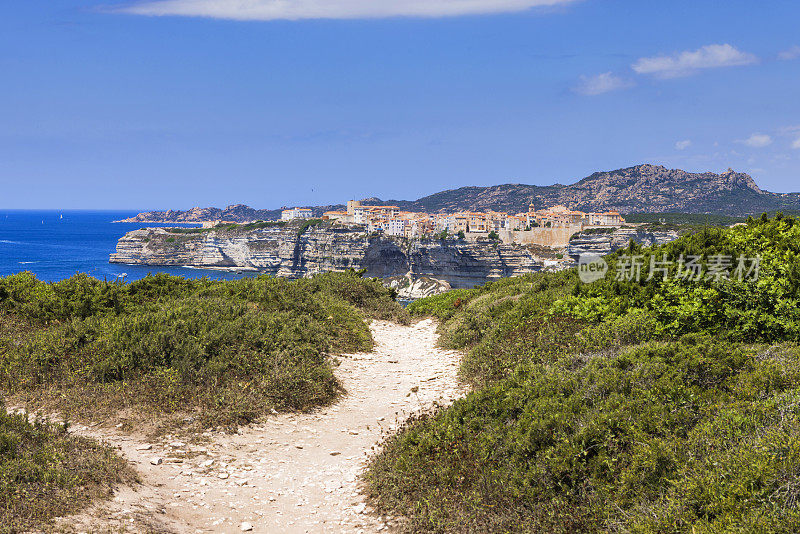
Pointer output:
296, 213
392, 221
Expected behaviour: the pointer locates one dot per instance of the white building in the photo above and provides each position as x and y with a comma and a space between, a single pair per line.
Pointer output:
296, 213
341, 216
396, 227
359, 215
440, 222
608, 218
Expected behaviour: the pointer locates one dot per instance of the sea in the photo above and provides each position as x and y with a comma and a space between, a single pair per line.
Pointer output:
55, 245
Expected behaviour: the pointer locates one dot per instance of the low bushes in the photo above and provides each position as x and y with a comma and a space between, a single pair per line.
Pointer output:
695, 435
610, 407
229, 351
760, 302
45, 472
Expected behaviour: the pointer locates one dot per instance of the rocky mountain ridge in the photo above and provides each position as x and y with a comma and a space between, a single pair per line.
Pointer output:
642, 188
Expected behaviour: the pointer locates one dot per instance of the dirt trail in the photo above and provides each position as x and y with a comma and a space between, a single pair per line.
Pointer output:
294, 472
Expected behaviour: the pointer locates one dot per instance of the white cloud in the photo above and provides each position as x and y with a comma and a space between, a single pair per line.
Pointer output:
791, 53
796, 144
757, 140
683, 145
689, 62
602, 83
330, 9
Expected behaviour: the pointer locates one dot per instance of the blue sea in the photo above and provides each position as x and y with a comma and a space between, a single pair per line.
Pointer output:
55, 245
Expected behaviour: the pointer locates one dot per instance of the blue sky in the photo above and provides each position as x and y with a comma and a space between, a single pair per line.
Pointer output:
172, 104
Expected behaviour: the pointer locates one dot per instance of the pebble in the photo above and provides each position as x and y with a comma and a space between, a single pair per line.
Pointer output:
156, 461
147, 447
245, 527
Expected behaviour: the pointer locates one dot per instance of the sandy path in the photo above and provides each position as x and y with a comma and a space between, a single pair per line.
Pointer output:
292, 473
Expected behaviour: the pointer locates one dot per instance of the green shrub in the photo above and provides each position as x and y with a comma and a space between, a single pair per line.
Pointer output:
80, 297
263, 224
499, 323
615, 406
179, 230
46, 473
368, 295
694, 435
308, 224
766, 308
231, 351
442, 306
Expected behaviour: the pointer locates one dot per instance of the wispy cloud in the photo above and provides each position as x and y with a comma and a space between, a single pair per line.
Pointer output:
691, 61
757, 140
601, 83
789, 54
683, 145
796, 144
330, 9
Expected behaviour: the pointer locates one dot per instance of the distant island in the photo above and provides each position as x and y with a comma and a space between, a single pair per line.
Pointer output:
639, 189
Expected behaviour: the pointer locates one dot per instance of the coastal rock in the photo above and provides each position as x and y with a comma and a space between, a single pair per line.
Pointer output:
237, 213
296, 253
416, 287
615, 239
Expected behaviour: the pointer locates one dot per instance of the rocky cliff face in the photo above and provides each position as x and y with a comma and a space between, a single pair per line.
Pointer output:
410, 287
285, 251
606, 243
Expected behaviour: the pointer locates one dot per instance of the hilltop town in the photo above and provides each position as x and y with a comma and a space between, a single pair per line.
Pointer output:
548, 226
638, 189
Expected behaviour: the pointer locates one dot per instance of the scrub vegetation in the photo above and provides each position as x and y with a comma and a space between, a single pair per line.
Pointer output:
617, 406
159, 353
46, 472
215, 353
